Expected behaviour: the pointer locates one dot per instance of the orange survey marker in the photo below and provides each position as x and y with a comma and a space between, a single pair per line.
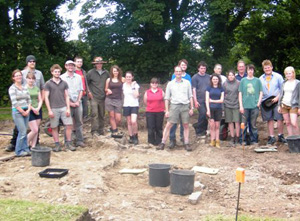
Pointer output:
240, 175
242, 126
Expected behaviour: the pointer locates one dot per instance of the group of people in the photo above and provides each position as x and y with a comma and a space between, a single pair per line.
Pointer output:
239, 97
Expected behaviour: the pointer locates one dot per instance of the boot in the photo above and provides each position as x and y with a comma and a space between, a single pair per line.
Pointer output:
212, 143
218, 143
130, 139
135, 139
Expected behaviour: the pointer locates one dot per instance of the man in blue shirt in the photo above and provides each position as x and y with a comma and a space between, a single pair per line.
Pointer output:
272, 83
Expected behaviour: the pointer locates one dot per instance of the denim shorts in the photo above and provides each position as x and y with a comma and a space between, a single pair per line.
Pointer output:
127, 111
33, 116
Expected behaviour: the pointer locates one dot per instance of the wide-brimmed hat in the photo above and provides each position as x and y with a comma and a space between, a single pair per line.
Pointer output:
268, 104
98, 60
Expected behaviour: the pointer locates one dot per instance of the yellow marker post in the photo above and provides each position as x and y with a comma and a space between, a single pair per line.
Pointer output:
240, 178
243, 145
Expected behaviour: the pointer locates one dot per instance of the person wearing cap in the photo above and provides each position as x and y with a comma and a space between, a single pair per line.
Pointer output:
272, 84
39, 82
58, 104
84, 99
250, 95
96, 79
74, 82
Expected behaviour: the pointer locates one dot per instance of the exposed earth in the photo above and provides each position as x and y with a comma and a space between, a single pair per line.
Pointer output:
271, 188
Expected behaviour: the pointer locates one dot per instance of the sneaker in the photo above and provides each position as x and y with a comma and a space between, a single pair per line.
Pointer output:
69, 146
28, 153
10, 148
80, 144
172, 144
187, 147
271, 140
161, 146
22, 154
281, 138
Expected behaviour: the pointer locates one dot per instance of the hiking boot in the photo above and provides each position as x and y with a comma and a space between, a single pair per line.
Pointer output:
135, 139
57, 148
130, 139
281, 138
161, 146
182, 139
10, 148
212, 143
69, 146
232, 142
172, 144
271, 140
80, 144
218, 144
187, 147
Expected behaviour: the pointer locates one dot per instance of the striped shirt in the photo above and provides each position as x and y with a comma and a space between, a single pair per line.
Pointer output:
19, 97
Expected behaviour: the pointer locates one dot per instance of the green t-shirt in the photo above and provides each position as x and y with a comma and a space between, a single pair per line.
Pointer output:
250, 89
34, 95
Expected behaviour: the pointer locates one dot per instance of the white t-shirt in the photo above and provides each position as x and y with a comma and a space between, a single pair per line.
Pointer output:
289, 87
129, 99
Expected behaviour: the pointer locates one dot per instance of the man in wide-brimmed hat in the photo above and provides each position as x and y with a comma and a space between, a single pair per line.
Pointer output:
96, 79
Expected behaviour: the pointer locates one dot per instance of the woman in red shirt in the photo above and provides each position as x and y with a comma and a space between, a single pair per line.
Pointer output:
155, 107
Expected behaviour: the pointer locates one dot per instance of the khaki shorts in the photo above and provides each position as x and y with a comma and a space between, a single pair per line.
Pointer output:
179, 111
114, 105
288, 110
60, 113
232, 115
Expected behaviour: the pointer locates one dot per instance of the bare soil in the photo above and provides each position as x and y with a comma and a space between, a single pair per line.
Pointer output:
272, 186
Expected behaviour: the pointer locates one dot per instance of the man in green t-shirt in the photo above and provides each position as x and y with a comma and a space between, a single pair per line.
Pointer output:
250, 95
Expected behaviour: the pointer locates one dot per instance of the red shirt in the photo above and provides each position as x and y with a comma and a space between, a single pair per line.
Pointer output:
155, 101
83, 81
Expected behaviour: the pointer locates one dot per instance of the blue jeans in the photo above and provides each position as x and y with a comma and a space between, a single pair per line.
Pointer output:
173, 131
21, 123
251, 114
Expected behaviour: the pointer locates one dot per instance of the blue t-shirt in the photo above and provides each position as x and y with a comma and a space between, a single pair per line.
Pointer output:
215, 94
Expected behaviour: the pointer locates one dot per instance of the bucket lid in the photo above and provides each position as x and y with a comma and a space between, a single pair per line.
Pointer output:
183, 172
159, 166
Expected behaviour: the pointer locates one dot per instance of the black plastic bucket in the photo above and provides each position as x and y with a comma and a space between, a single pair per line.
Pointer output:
159, 174
182, 182
294, 143
40, 156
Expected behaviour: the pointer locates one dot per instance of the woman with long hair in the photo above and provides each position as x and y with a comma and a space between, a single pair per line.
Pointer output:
113, 100
289, 101
35, 115
231, 106
155, 107
214, 99
131, 106
21, 105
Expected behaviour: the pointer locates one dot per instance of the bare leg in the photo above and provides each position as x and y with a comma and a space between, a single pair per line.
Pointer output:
280, 126
271, 127
166, 132
212, 129
118, 118
129, 125
69, 132
186, 132
32, 136
55, 134
288, 124
112, 120
294, 122
237, 129
217, 130
134, 123
231, 129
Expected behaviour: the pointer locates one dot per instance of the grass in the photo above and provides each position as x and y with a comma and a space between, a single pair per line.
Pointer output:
11, 210
5, 113
240, 218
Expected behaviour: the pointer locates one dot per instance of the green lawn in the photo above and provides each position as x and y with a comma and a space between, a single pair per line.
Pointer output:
11, 210
5, 113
